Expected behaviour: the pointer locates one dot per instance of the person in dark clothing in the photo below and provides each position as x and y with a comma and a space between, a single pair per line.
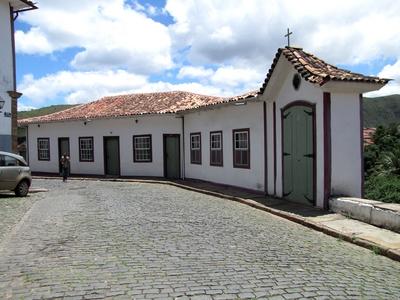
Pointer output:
64, 166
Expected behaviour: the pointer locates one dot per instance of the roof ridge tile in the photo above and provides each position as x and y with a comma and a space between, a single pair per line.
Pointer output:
316, 70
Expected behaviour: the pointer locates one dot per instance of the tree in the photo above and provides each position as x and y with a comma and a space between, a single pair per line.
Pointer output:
382, 165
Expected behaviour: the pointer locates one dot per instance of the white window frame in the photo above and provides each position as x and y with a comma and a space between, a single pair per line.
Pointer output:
237, 133
141, 152
86, 154
43, 152
213, 148
195, 146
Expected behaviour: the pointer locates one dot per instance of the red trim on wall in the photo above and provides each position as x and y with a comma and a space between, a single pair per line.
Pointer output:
192, 161
221, 163
362, 144
235, 165
274, 120
327, 148
265, 148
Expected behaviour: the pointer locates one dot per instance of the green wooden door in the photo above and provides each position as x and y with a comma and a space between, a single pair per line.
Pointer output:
298, 154
111, 156
172, 156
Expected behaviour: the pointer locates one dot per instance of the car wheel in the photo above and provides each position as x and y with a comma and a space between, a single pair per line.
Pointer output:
22, 189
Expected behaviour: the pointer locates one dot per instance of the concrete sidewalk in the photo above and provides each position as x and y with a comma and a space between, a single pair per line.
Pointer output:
379, 240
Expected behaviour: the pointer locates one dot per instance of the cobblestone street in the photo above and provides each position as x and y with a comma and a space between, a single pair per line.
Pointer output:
95, 240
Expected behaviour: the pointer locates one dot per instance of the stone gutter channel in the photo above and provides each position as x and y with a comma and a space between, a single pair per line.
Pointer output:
341, 223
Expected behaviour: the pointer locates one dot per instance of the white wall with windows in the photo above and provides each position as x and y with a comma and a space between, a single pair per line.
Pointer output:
86, 144
221, 125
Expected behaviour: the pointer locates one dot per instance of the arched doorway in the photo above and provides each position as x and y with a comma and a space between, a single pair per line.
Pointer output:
298, 152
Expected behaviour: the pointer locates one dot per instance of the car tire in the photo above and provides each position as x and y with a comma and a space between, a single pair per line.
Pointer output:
22, 189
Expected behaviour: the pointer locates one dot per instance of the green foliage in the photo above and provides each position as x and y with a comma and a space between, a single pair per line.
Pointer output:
382, 165
42, 111
382, 157
376, 250
383, 188
389, 163
381, 110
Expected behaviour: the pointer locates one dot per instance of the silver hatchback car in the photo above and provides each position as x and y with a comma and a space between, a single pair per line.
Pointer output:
15, 174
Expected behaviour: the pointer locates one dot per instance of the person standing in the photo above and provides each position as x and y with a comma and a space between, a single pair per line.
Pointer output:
64, 166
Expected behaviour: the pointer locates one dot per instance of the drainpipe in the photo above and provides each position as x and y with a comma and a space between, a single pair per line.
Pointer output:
183, 147
27, 143
14, 95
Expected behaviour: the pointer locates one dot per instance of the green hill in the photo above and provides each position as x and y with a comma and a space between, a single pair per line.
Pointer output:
43, 111
381, 110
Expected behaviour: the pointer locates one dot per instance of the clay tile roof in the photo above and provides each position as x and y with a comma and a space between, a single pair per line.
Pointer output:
315, 70
135, 104
23, 5
368, 135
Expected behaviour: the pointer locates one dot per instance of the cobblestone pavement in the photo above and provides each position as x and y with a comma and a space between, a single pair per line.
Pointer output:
93, 240
12, 209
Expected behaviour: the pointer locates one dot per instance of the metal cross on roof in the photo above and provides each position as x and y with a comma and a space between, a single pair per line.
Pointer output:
288, 36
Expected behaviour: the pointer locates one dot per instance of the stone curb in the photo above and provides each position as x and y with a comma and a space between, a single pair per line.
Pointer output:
368, 211
377, 248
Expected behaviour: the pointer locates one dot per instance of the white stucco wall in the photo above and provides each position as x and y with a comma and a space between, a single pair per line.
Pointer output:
283, 94
226, 119
124, 128
6, 66
346, 148
345, 136
309, 93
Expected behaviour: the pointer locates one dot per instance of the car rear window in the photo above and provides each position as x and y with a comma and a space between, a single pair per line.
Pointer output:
9, 161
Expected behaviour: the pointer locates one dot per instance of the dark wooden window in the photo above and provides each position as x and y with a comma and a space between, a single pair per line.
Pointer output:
142, 148
241, 148
86, 149
43, 148
216, 148
195, 148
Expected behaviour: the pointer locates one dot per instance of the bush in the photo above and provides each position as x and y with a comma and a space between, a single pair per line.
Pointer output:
384, 188
382, 165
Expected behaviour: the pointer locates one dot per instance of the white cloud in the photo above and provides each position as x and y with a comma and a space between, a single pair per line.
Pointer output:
231, 76
389, 89
34, 41
23, 107
120, 46
393, 87
342, 31
78, 87
225, 77
391, 71
194, 72
112, 35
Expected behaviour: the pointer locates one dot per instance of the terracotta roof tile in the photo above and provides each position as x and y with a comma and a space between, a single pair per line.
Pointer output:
136, 104
368, 135
315, 70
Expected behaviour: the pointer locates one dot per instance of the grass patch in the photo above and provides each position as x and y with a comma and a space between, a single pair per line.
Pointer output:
376, 250
383, 188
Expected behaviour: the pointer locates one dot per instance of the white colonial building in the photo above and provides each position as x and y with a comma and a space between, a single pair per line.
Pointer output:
299, 137
9, 10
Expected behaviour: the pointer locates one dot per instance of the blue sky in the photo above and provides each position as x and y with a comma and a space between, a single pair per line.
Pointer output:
107, 47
